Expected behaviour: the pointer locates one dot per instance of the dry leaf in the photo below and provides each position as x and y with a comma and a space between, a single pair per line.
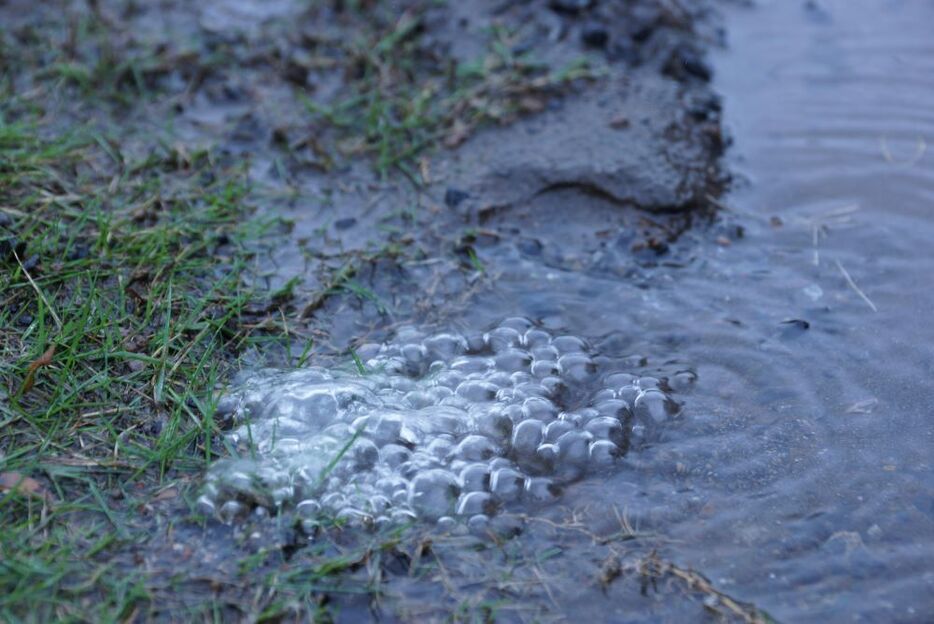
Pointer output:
425, 169
165, 495
44, 360
457, 134
15, 482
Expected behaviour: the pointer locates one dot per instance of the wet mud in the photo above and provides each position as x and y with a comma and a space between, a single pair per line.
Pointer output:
554, 363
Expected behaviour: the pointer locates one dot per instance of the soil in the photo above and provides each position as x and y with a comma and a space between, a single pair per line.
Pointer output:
588, 135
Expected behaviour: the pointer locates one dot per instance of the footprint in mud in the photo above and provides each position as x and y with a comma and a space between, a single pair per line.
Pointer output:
435, 427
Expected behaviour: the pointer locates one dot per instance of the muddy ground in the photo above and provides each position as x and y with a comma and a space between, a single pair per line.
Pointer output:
382, 145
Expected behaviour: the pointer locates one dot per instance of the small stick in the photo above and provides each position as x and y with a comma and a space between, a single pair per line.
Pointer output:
849, 280
58, 321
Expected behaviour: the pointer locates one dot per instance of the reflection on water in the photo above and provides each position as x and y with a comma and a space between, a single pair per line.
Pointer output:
801, 477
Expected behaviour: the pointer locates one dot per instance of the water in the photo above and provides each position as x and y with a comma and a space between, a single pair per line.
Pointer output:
799, 474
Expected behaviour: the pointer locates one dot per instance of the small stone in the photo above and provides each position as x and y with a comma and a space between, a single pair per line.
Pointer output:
595, 35
9, 245
570, 6
453, 197
573, 453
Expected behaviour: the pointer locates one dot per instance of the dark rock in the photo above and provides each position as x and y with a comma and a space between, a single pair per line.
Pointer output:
595, 35
9, 245
345, 224
453, 197
687, 62
625, 51
570, 6
296, 74
705, 109
793, 328
5, 220
529, 246
31, 262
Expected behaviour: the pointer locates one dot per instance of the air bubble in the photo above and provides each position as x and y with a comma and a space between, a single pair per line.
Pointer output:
478, 391
445, 346
527, 436
230, 511
502, 338
568, 344
506, 484
603, 453
475, 477
473, 503
444, 424
539, 408
606, 428
556, 429
433, 493
540, 490
478, 525
474, 448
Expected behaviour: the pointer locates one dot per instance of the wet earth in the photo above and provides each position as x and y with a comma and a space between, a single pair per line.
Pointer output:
798, 476
603, 381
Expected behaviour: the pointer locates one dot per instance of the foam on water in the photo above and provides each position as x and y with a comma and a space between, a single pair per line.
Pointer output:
440, 426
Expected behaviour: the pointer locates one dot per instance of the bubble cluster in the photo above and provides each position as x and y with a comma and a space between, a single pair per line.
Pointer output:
437, 427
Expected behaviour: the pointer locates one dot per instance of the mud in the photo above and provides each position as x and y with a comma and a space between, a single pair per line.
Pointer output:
580, 159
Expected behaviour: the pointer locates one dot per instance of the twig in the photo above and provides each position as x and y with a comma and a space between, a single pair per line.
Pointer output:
849, 280
58, 321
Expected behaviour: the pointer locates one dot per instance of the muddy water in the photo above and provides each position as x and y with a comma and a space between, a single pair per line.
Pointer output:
797, 329
801, 476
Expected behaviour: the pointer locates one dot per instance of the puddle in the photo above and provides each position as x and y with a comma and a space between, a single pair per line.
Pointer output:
798, 475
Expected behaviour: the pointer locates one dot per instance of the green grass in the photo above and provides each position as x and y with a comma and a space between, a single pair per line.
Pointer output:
403, 102
133, 273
